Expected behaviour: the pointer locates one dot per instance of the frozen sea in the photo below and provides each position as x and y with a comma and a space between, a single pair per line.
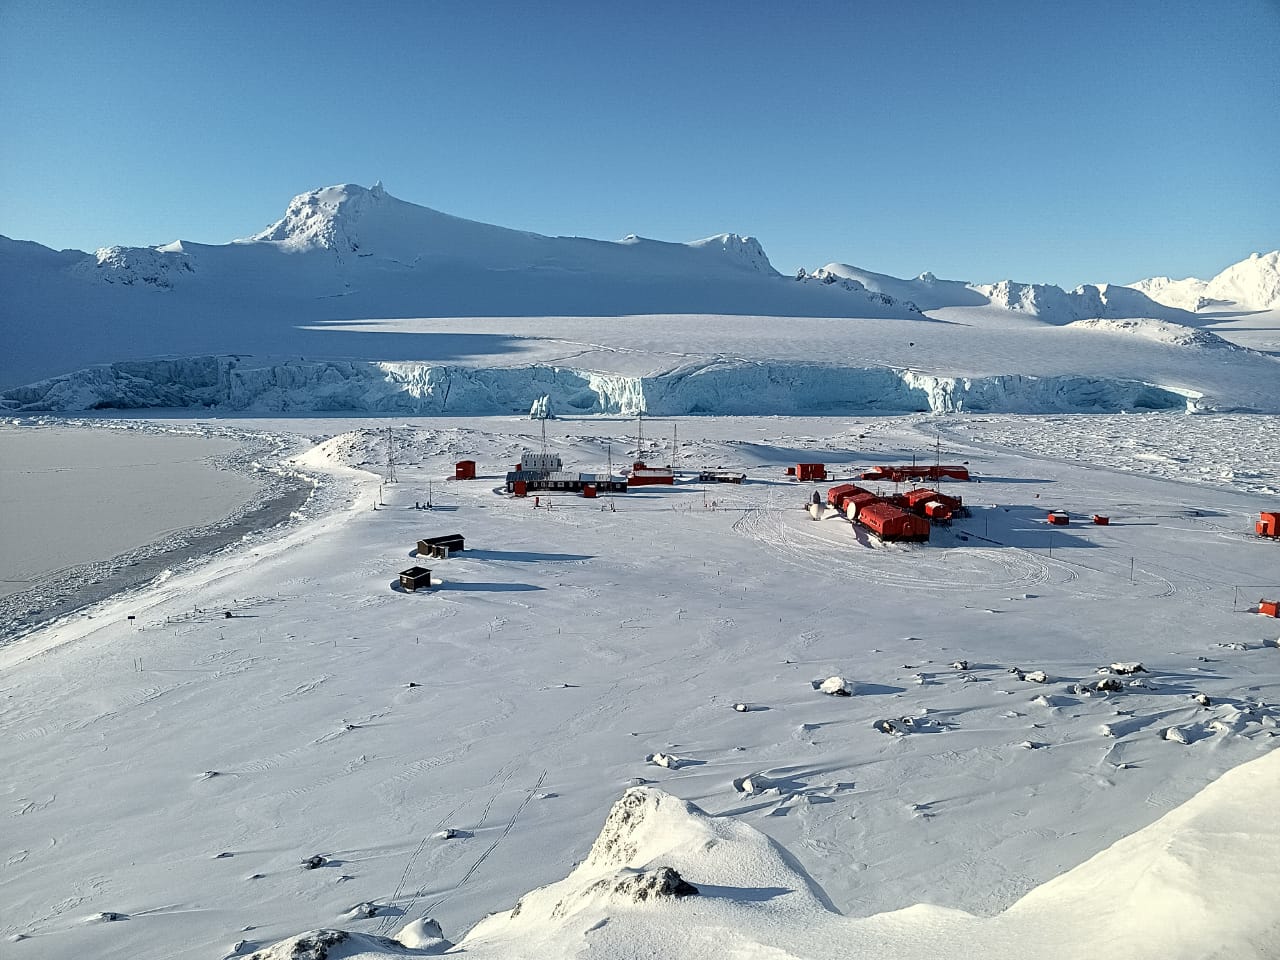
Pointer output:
86, 511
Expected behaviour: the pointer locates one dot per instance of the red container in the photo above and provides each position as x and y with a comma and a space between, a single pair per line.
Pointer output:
937, 510
643, 476
589, 491
1269, 608
835, 493
1100, 520
520, 488
465, 470
854, 504
811, 471
892, 523
1059, 519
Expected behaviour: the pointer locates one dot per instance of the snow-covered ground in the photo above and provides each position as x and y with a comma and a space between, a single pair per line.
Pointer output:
446, 752
206, 756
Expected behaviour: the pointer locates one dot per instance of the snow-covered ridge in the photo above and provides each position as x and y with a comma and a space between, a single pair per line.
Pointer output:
1251, 284
403, 259
723, 387
1158, 331
350, 220
1046, 302
664, 879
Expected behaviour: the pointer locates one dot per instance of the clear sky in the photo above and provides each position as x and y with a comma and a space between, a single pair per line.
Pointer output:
1060, 142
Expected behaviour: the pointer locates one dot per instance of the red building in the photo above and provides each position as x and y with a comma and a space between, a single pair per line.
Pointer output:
1268, 524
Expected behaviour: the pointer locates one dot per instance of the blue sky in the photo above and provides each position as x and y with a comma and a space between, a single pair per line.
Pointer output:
1061, 142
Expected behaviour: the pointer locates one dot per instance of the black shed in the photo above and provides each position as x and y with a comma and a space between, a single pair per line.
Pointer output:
415, 578
441, 547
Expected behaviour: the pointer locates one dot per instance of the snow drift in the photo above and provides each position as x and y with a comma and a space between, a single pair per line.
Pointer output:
664, 879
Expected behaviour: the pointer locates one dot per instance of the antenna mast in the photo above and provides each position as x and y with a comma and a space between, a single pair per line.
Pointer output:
675, 446
391, 460
640, 435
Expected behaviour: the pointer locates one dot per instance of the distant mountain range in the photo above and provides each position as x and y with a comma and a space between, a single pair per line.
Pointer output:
347, 251
356, 258
399, 259
1250, 285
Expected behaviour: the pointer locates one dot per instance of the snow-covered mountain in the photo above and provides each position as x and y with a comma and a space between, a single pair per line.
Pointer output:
357, 300
394, 258
1045, 302
1251, 284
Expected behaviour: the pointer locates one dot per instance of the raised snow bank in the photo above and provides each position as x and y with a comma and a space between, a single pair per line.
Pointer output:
1197, 883
735, 387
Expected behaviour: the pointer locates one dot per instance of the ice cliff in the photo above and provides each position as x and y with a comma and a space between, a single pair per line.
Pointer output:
723, 387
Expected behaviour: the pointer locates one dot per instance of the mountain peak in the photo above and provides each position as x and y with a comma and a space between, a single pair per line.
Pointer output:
325, 218
746, 250
1251, 284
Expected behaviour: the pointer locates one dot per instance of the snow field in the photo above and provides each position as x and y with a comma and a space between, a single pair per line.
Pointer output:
331, 716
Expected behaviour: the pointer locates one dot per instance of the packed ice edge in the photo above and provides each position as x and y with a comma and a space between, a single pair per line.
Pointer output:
717, 387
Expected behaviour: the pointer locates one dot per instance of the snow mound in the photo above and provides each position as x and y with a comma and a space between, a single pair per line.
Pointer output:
1158, 331
156, 267
1052, 304
423, 934
1197, 883
329, 945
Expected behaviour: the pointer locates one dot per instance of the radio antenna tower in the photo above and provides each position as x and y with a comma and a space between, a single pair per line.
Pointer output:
391, 459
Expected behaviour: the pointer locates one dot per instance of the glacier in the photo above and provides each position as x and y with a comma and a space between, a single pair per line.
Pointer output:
719, 387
